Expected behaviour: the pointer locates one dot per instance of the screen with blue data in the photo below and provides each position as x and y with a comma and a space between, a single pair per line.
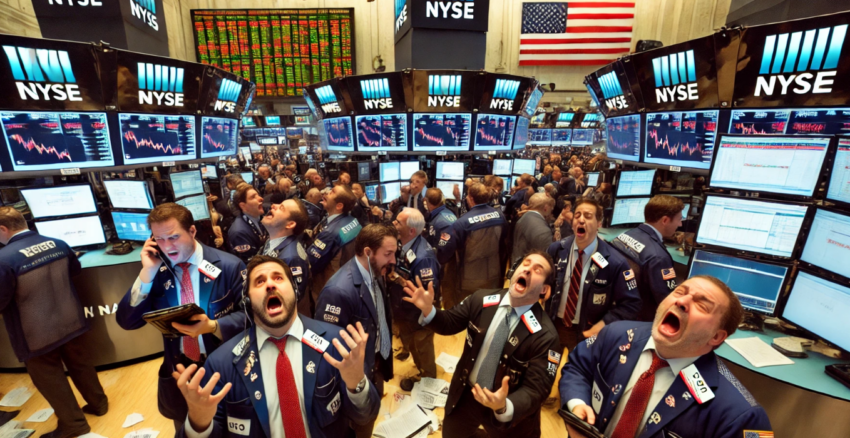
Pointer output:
828, 242
540, 137
628, 211
593, 179
197, 205
131, 226
561, 137
756, 284
821, 307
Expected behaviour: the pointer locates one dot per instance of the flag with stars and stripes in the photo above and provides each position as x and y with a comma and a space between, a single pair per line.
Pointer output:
575, 32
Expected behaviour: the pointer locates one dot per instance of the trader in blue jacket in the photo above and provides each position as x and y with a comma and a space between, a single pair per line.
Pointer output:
333, 238
191, 273
247, 235
286, 223
286, 375
662, 379
439, 236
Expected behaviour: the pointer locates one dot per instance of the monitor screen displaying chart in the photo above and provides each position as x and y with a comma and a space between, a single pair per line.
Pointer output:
151, 138
684, 139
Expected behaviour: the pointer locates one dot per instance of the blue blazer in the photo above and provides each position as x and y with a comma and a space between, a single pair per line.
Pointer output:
293, 253
597, 361
440, 233
243, 239
656, 278
330, 241
420, 263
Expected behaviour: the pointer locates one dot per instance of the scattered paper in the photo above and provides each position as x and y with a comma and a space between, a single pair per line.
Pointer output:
40, 416
758, 352
16, 397
17, 433
405, 425
91, 435
448, 362
435, 386
400, 403
132, 419
143, 433
11, 425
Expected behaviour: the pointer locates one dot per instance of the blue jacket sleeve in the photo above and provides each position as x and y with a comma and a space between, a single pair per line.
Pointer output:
447, 244
333, 307
129, 317
626, 301
74, 265
234, 322
297, 263
323, 249
754, 418
659, 286
577, 374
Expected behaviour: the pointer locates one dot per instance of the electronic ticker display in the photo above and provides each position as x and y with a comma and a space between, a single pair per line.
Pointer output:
441, 132
758, 122
540, 137
521, 135
148, 138
219, 136
494, 132
624, 137
683, 139
338, 134
819, 121
561, 137
386, 132
590, 120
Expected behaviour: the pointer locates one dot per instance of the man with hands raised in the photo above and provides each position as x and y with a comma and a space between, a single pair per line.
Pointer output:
510, 357
280, 377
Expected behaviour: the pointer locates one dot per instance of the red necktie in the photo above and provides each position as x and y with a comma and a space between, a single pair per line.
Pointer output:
191, 348
290, 405
572, 295
636, 406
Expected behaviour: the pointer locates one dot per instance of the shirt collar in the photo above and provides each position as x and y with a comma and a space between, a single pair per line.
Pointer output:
676, 365
296, 331
408, 245
197, 256
590, 248
657, 233
332, 217
535, 211
367, 276
506, 302
19, 232
274, 243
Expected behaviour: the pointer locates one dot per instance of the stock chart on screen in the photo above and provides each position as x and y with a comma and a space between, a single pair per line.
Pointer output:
220, 136
148, 138
338, 134
758, 122
624, 137
494, 132
683, 139
434, 132
540, 137
561, 137
56, 140
382, 132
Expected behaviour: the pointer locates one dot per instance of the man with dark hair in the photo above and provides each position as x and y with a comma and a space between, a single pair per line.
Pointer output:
247, 234
264, 177
344, 178
644, 249
521, 196
286, 223
662, 379
357, 293
44, 318
576, 183
178, 270
411, 194
280, 377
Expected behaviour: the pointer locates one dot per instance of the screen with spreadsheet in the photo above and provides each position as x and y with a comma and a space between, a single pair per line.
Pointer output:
628, 211
502, 167
372, 192
635, 183
839, 181
540, 137
524, 166
593, 179
60, 201
452, 170
390, 191
197, 205
748, 225
131, 226
128, 194
407, 169
756, 284
447, 187
758, 122
187, 183
828, 242
390, 171
77, 231
821, 307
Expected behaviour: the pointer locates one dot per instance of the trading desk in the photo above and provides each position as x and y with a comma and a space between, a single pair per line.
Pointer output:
679, 257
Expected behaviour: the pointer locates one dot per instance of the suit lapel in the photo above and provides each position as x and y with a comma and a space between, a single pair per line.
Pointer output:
310, 356
521, 332
486, 319
205, 284
254, 386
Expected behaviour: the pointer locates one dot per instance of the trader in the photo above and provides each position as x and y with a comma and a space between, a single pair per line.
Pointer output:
178, 270
247, 234
594, 284
356, 294
44, 318
313, 204
286, 223
532, 229
642, 377
333, 238
411, 194
264, 176
507, 368
284, 376
644, 248
439, 237
576, 184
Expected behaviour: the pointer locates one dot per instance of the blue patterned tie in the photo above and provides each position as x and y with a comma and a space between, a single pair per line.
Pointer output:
487, 372
384, 333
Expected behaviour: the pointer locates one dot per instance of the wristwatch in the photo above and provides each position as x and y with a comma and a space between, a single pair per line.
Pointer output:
502, 411
360, 386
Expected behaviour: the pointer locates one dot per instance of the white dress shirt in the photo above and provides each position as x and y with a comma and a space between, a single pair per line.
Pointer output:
272, 244
585, 267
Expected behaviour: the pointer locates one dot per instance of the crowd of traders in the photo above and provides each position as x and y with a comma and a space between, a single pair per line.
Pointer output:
307, 281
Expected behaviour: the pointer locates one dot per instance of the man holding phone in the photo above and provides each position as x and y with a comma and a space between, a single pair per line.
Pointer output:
178, 270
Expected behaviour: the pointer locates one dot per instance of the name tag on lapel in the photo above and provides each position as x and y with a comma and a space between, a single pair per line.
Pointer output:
209, 269
596, 398
239, 426
314, 341
696, 384
599, 260
491, 300
531, 322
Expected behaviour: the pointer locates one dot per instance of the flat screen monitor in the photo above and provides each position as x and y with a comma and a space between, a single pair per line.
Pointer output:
757, 285
502, 167
132, 195
635, 183
820, 307
448, 187
302, 150
819, 121
60, 201
338, 134
248, 177
267, 141
248, 122
151, 138
748, 225
624, 137
561, 137
245, 151
371, 192
592, 179
565, 120
131, 226
540, 137
272, 120
583, 137
590, 120
828, 242
390, 191
364, 171
385, 132
538, 119
533, 101
450, 170
442, 132
220, 136
524, 166
76, 232
255, 148
507, 183
197, 205
187, 183
839, 180
56, 140
494, 132
684, 139
521, 136
209, 171
302, 120
407, 169
628, 211
784, 165
390, 171
685, 211
758, 122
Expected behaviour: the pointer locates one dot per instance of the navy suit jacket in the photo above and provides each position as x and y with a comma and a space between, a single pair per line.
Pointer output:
293, 253
421, 262
244, 240
440, 233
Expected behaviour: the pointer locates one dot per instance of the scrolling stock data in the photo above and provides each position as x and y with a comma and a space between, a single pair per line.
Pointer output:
148, 138
494, 132
382, 132
683, 139
624, 137
220, 137
804, 121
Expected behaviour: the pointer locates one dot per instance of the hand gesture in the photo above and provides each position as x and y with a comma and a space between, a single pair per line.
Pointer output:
419, 297
493, 400
150, 261
456, 191
203, 326
405, 192
201, 401
351, 366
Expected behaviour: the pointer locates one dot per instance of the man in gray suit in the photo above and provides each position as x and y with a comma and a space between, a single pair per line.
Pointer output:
532, 230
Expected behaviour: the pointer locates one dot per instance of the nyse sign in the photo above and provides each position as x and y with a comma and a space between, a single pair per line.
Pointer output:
450, 9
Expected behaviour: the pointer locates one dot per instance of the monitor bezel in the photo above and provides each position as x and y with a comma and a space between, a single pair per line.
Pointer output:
598, 177
509, 160
641, 140
381, 192
381, 172
152, 161
202, 154
129, 210
619, 176
828, 181
787, 296
356, 133
822, 272
206, 206
66, 216
451, 149
437, 171
171, 183
347, 149
497, 148
513, 166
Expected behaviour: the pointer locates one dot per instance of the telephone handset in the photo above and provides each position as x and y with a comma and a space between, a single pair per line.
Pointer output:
161, 254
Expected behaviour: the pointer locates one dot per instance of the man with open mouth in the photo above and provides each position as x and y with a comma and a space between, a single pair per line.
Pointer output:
247, 235
286, 223
662, 379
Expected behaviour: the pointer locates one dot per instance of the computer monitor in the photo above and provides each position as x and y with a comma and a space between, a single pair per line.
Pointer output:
839, 180
561, 137
364, 171
524, 166
748, 225
684, 139
628, 211
685, 211
507, 183
828, 242
390, 191
821, 307
757, 284
819, 121
540, 137
407, 169
390, 171
592, 179
208, 171
502, 167
635, 183
267, 141
590, 120
758, 122
60, 201
338, 134
565, 120
533, 101
197, 205
131, 226
248, 122
272, 120
248, 177
521, 135
132, 195
583, 137
371, 192
494, 132
783, 165
255, 148
450, 170
151, 138
385, 132
186, 183
76, 232
623, 141
442, 132
245, 151
219, 136
447, 187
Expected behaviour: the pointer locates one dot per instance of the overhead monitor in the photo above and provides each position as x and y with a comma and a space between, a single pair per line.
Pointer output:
390, 191
131, 226
521, 136
338, 134
248, 122
267, 141
447, 187
561, 137
540, 137
248, 177
386, 132
502, 167
197, 205
820, 307
450, 170
390, 171
132, 195
583, 137
255, 148
60, 201
245, 151
624, 137
635, 183
565, 120
590, 120
828, 242
748, 225
524, 166
685, 211
533, 101
442, 132
628, 211
272, 120
219, 136
209, 171
684, 139
592, 179
758, 122
494, 132
783, 165
757, 285
187, 183
407, 169
151, 138
371, 192
302, 120
56, 140
839, 180
76, 232
819, 121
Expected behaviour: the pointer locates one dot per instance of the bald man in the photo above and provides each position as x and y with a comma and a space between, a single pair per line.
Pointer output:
532, 229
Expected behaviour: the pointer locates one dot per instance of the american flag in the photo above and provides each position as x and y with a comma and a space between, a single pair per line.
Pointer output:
575, 32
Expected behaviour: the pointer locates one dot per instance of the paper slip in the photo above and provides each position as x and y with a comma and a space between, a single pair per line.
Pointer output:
400, 403
16, 397
133, 419
91, 435
40, 416
17, 433
435, 386
428, 400
758, 352
405, 425
11, 425
143, 433
448, 362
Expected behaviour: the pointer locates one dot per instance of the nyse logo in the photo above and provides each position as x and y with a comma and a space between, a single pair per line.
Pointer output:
444, 90
228, 94
400, 13
504, 94
376, 93
145, 10
327, 99
160, 83
454, 9
612, 91
78, 2
789, 59
42, 74
675, 77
